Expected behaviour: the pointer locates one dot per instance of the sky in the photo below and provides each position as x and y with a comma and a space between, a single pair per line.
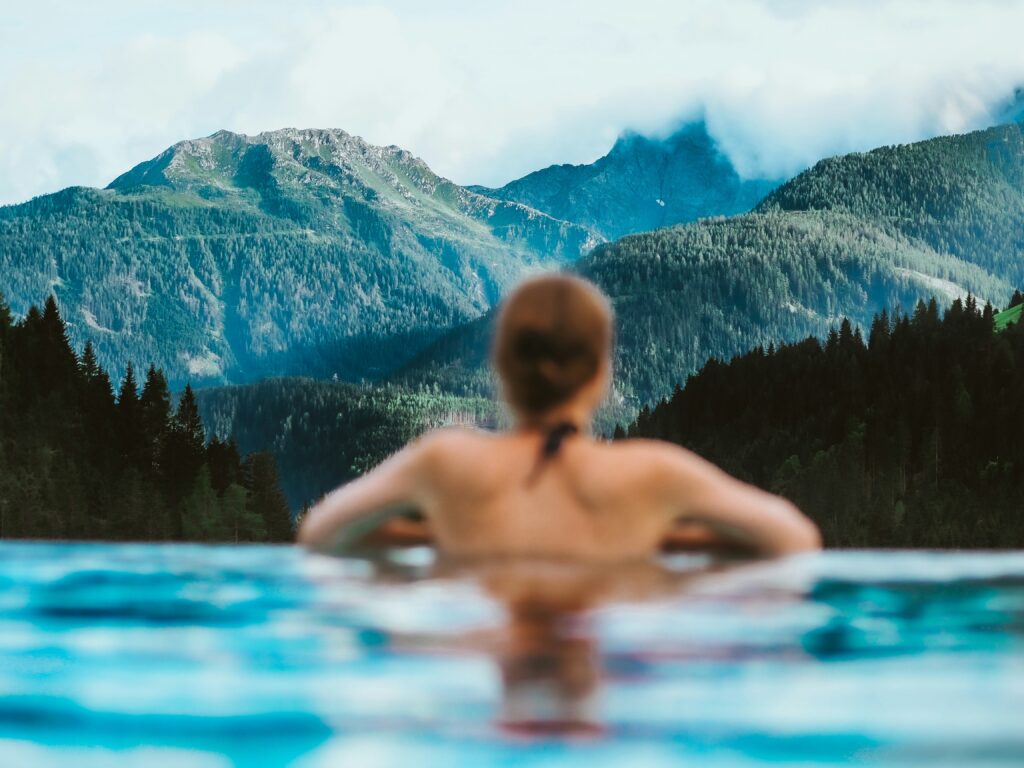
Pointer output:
487, 91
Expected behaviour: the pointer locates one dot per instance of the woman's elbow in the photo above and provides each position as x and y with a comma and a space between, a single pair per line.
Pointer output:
310, 533
304, 535
804, 535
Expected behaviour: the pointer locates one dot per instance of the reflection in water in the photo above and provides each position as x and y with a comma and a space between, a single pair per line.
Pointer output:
550, 672
547, 651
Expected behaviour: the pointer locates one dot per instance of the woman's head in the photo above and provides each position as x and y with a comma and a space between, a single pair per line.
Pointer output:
553, 343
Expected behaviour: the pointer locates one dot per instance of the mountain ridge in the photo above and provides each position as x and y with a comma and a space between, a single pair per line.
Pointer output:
641, 184
230, 257
822, 246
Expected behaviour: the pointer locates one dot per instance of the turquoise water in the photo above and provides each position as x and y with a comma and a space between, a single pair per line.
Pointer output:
214, 656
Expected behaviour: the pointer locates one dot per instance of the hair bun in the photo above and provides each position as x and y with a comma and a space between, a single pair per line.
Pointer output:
553, 333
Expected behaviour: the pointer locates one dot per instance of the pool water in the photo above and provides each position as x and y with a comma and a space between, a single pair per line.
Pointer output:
124, 655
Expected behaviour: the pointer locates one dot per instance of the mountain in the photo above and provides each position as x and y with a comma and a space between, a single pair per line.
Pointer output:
849, 237
961, 195
641, 184
232, 257
715, 289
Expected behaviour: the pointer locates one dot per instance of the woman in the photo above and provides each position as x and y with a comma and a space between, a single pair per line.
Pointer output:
546, 488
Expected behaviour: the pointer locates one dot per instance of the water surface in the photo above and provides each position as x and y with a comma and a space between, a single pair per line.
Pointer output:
124, 655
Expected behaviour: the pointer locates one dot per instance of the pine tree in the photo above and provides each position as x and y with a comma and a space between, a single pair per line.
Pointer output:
241, 523
188, 421
5, 316
155, 404
266, 499
183, 451
201, 512
878, 338
130, 430
100, 420
128, 509
920, 317
88, 365
971, 306
60, 361
5, 328
225, 464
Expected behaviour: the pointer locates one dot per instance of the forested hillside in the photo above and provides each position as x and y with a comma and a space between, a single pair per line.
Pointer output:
233, 257
853, 236
720, 287
78, 462
910, 437
324, 433
641, 184
683, 295
962, 195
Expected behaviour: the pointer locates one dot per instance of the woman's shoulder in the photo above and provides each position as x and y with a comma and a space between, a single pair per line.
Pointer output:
453, 439
645, 448
649, 458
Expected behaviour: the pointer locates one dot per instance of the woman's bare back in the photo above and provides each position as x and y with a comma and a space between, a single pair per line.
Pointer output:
495, 494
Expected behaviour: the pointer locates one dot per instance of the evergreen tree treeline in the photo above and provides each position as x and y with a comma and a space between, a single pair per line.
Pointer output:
323, 433
78, 462
909, 438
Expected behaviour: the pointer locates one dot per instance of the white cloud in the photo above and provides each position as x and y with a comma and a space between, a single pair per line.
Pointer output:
485, 92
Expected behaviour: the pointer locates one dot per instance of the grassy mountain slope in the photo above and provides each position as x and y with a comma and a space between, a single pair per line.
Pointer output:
641, 184
1008, 317
233, 257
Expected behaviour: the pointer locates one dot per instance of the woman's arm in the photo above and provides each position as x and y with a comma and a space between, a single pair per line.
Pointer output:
694, 536
350, 512
739, 513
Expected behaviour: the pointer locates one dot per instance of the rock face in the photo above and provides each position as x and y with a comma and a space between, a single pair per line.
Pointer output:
641, 184
308, 252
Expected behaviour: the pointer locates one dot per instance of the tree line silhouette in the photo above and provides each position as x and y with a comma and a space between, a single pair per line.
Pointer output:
77, 462
909, 438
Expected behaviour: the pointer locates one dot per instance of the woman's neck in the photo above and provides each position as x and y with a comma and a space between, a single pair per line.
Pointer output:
577, 415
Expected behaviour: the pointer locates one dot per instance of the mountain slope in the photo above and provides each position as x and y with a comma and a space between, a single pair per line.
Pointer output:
1008, 317
641, 184
718, 288
853, 235
233, 257
685, 294
962, 195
